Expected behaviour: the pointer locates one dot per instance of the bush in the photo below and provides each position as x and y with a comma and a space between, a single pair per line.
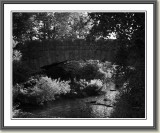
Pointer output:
88, 72
90, 69
53, 87
124, 107
93, 87
18, 113
16, 92
83, 88
38, 91
131, 101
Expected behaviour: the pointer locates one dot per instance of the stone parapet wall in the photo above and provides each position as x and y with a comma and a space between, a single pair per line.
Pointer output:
40, 54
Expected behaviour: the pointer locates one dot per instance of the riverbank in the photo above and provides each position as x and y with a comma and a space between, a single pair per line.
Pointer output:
85, 79
99, 95
99, 106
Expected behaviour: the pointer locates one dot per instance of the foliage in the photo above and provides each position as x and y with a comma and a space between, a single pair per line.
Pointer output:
129, 104
93, 87
17, 55
88, 70
83, 88
17, 113
50, 25
123, 24
130, 33
55, 87
39, 90
70, 70
21, 25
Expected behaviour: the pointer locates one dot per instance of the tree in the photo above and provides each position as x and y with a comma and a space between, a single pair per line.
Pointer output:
123, 24
130, 33
21, 26
50, 25
128, 27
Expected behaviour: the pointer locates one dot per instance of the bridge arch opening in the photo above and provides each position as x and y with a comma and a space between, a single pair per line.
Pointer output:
77, 69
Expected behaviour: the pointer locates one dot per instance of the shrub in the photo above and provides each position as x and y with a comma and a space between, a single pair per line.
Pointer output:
84, 88
18, 113
124, 107
16, 92
38, 91
17, 55
88, 71
93, 69
96, 82
72, 69
93, 87
77, 88
131, 101
53, 87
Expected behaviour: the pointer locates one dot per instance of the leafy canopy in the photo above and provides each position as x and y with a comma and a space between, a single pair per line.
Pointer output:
50, 25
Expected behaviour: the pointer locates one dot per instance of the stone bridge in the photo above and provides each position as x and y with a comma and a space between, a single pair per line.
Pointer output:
41, 54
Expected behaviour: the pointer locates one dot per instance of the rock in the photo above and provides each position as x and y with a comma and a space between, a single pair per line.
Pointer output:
109, 105
106, 99
112, 90
92, 101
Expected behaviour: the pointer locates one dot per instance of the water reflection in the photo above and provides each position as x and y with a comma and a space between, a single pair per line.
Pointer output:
90, 107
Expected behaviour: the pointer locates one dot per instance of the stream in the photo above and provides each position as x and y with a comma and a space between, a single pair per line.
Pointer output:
100, 106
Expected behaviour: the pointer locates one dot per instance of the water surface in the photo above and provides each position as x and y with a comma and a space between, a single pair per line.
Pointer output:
100, 106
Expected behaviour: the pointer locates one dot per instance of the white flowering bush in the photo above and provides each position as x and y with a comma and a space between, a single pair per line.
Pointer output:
87, 88
96, 82
38, 91
51, 88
